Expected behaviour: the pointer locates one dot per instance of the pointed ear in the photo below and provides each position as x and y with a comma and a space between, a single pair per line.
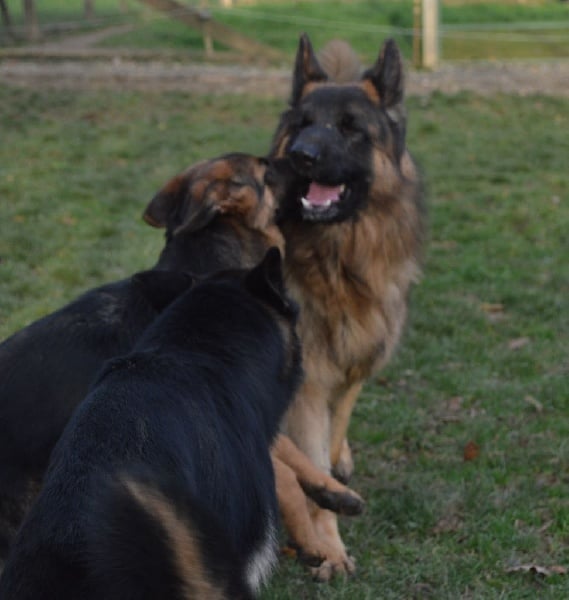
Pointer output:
160, 288
386, 75
306, 69
265, 281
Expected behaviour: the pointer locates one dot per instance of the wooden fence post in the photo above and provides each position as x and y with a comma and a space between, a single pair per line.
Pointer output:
417, 33
430, 33
31, 18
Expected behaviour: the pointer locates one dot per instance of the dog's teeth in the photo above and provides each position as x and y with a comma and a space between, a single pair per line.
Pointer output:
342, 188
305, 202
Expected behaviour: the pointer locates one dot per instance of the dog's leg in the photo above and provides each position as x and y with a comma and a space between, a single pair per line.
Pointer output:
313, 533
326, 491
308, 424
340, 453
344, 467
294, 513
337, 560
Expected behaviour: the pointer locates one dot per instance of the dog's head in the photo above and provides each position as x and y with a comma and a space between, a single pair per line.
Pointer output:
229, 188
332, 134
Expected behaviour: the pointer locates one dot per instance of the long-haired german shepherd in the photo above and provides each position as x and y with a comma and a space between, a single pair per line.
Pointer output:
350, 209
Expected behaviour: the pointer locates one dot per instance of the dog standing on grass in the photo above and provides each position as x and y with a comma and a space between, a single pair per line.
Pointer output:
351, 212
161, 485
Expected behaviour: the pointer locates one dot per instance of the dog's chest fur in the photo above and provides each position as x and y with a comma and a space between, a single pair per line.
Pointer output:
352, 283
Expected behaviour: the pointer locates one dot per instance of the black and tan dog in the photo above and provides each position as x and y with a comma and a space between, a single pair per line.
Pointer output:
217, 214
180, 428
350, 209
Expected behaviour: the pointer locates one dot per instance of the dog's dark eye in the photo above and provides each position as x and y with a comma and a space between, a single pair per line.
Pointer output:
306, 121
238, 182
348, 124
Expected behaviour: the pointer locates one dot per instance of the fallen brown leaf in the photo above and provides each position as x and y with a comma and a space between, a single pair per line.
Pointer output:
448, 524
471, 451
492, 307
68, 220
455, 403
518, 343
288, 551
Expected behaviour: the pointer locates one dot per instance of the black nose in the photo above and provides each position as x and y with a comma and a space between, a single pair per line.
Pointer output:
304, 155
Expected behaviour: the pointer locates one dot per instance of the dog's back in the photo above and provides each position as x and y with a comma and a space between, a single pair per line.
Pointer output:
46, 368
217, 215
197, 402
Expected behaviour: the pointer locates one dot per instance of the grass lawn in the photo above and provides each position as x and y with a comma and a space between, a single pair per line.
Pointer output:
483, 364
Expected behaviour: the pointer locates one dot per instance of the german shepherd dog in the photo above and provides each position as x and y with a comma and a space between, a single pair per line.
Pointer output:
172, 443
351, 212
218, 215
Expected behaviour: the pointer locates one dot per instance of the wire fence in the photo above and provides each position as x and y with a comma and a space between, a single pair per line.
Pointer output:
549, 32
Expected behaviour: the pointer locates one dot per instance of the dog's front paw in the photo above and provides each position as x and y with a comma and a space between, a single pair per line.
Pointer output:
338, 565
343, 501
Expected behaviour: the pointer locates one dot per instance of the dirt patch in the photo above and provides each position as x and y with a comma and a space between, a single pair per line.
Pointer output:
522, 78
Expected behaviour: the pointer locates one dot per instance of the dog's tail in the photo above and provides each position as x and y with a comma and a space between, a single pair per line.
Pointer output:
340, 61
148, 541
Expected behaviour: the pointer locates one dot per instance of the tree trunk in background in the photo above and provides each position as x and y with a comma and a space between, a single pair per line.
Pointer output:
31, 18
6, 19
89, 9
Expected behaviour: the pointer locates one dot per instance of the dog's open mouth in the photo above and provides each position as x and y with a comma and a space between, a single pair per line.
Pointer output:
321, 202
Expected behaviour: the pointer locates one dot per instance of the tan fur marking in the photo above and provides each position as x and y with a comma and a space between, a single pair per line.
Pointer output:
294, 510
341, 419
305, 471
370, 90
182, 539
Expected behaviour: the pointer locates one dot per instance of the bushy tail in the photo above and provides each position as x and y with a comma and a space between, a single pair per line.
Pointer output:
149, 541
340, 61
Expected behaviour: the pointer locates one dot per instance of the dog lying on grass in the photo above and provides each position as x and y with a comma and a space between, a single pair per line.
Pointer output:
161, 485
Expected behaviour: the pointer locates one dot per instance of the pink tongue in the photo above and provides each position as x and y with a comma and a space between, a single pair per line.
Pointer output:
318, 194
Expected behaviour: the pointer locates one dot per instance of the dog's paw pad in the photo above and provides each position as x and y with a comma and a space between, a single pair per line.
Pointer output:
345, 566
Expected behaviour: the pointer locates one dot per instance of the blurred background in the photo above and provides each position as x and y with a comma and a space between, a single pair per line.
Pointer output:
467, 29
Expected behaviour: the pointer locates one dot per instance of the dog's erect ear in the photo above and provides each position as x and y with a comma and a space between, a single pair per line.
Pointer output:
386, 75
160, 288
306, 69
265, 281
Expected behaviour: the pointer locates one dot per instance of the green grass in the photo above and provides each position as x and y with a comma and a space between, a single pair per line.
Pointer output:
76, 171
535, 30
